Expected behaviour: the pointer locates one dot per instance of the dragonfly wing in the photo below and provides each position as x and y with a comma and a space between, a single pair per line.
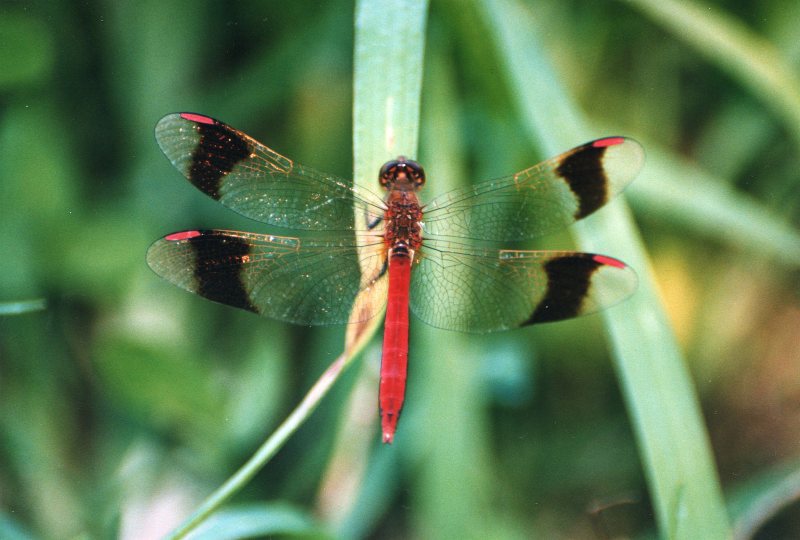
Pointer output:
285, 278
257, 182
540, 199
473, 290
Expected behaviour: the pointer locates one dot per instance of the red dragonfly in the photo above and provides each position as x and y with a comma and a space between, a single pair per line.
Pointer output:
442, 260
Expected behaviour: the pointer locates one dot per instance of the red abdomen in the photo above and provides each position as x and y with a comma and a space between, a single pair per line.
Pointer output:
395, 344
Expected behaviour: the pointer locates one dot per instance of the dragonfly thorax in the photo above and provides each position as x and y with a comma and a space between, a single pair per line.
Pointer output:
402, 220
403, 174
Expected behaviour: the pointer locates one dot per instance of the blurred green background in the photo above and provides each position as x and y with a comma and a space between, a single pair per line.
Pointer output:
126, 401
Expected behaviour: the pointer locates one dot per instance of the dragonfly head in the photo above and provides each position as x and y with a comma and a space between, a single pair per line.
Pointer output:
402, 173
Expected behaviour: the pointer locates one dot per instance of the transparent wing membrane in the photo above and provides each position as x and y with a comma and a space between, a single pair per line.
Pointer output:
454, 284
478, 291
285, 278
541, 199
256, 181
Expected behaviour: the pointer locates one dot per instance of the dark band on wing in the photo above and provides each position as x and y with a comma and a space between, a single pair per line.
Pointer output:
568, 281
218, 269
219, 149
583, 171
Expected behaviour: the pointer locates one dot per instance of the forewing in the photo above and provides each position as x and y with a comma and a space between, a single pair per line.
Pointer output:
257, 182
473, 290
285, 278
540, 199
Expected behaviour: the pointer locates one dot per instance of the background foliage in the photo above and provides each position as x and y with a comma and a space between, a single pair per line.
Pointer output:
126, 401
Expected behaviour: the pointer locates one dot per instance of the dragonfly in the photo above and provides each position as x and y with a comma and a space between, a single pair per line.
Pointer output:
452, 261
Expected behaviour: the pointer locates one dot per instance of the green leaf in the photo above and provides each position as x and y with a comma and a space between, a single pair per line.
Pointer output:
258, 520
21, 307
387, 83
10, 530
687, 195
386, 121
753, 61
659, 393
759, 499
446, 430
386, 99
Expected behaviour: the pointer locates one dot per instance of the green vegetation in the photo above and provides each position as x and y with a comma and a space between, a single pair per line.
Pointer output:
125, 402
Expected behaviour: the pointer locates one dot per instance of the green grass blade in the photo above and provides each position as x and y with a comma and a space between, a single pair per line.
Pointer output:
11, 530
265, 452
388, 78
683, 193
672, 439
390, 40
387, 85
256, 520
759, 499
753, 61
23, 306
452, 426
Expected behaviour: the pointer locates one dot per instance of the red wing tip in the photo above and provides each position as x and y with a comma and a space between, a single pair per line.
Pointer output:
199, 118
388, 437
184, 235
608, 141
609, 261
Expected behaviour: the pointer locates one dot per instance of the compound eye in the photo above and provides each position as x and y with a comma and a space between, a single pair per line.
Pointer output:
416, 172
387, 172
